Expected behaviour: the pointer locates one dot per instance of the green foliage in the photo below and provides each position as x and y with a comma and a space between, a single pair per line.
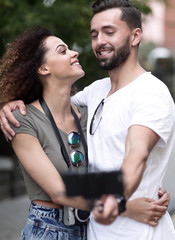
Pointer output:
67, 19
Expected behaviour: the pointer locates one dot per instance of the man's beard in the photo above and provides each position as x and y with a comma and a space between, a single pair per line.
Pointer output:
117, 59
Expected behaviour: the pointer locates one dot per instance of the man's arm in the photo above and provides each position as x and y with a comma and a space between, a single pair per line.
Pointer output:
79, 98
6, 115
144, 210
139, 143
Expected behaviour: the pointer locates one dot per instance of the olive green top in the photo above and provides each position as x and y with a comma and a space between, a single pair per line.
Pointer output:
38, 125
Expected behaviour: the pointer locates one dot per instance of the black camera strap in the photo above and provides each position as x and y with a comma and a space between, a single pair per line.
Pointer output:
58, 135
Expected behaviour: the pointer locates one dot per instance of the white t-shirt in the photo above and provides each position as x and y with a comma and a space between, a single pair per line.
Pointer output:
145, 101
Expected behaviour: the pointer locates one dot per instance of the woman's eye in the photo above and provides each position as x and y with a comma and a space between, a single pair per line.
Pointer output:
63, 51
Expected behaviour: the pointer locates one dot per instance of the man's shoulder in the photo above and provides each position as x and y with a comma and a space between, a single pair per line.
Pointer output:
151, 83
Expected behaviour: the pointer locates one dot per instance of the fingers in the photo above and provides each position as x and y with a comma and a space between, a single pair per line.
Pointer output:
5, 127
164, 198
159, 209
7, 136
100, 207
22, 107
153, 223
6, 115
153, 218
161, 191
105, 213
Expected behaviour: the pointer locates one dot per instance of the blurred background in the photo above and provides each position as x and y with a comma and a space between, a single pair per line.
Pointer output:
70, 20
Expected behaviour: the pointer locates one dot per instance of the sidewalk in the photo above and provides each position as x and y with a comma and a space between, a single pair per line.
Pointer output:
13, 214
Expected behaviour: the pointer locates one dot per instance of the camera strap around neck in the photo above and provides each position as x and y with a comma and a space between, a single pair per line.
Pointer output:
58, 135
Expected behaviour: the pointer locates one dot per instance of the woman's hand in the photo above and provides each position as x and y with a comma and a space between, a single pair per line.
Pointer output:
164, 197
6, 115
146, 210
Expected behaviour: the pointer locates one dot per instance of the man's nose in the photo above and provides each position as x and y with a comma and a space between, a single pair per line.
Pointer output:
101, 40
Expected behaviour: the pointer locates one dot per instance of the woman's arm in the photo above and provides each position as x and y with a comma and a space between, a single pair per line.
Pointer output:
144, 210
41, 169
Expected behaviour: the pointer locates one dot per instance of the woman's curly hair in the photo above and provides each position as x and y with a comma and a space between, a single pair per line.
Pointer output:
18, 67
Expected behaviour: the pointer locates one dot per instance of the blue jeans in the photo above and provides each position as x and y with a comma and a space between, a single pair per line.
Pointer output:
47, 223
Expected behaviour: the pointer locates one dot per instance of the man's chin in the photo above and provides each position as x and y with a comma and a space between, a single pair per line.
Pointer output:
102, 64
105, 66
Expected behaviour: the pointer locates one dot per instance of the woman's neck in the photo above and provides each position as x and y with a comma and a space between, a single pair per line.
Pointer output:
60, 106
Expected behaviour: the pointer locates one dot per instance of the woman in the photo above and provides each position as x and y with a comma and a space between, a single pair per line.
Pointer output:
40, 69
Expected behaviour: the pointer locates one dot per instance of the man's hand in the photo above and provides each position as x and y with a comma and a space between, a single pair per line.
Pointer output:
6, 115
109, 212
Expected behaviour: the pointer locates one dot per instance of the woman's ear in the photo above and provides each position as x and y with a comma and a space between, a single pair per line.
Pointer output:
43, 70
136, 36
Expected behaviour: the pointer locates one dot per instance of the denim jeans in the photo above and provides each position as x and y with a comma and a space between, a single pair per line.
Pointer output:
47, 223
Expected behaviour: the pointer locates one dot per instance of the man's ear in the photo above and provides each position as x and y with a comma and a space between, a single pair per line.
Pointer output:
43, 70
136, 36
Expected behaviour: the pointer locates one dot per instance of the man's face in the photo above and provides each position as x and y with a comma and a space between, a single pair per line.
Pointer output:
110, 39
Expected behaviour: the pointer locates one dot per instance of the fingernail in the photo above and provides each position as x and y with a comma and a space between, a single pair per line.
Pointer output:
100, 208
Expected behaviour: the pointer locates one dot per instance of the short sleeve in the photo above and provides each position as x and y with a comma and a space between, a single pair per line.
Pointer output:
80, 98
155, 111
27, 124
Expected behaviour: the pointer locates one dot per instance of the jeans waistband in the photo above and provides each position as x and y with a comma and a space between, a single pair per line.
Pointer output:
42, 211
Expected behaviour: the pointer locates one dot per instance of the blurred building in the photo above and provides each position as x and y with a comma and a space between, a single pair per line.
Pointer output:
159, 27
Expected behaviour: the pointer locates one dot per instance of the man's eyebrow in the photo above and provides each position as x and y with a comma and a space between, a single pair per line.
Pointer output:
60, 45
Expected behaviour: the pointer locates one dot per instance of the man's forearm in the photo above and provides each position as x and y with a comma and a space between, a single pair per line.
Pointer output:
133, 168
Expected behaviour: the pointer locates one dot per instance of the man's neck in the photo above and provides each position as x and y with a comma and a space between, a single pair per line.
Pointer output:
123, 75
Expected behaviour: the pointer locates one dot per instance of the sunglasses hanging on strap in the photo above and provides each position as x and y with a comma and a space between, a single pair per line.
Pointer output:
73, 138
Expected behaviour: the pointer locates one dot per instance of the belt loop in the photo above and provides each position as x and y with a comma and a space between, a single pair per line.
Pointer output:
60, 215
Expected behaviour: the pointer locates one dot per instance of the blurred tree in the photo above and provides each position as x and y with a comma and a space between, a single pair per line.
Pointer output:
67, 19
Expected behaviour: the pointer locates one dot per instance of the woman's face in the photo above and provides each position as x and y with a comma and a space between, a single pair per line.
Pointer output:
60, 62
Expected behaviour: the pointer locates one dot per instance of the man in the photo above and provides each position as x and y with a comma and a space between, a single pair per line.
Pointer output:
133, 127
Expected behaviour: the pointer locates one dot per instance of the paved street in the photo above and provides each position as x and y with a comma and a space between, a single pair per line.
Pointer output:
13, 217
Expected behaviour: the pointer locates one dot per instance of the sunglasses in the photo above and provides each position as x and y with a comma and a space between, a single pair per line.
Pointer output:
96, 119
76, 157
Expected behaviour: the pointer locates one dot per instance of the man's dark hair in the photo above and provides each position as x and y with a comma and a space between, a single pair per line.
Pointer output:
130, 13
